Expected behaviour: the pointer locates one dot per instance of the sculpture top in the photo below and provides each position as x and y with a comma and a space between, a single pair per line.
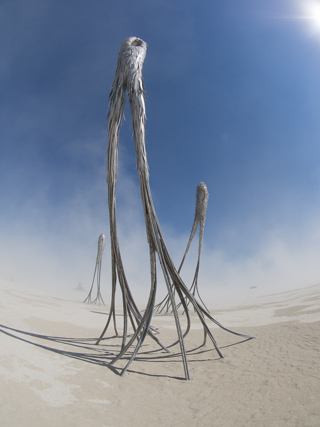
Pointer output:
202, 196
101, 245
130, 61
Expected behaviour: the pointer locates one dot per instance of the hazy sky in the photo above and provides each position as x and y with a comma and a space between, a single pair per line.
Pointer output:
233, 99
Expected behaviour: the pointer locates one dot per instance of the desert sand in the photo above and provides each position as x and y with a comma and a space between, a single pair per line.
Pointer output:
52, 373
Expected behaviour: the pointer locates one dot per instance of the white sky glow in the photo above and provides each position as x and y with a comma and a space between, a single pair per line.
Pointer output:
309, 11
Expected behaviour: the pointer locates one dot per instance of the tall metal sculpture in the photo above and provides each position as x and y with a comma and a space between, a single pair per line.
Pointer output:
101, 246
128, 78
202, 197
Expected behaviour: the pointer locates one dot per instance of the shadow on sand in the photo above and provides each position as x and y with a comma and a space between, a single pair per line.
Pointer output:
108, 349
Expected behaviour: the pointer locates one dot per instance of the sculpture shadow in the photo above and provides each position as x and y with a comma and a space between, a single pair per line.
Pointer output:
102, 355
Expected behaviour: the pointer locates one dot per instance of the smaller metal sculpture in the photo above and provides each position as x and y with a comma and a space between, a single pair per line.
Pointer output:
202, 196
101, 246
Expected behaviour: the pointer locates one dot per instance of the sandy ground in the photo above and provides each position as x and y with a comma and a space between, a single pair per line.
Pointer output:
52, 373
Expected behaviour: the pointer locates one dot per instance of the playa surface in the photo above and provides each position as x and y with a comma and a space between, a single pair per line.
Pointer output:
53, 374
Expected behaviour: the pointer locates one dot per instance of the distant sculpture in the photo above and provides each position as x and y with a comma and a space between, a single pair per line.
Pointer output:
128, 78
202, 196
79, 287
101, 246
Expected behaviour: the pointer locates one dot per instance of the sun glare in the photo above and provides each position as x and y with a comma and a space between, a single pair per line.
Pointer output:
310, 12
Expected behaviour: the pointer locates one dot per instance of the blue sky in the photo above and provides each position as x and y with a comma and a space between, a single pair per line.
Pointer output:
233, 99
